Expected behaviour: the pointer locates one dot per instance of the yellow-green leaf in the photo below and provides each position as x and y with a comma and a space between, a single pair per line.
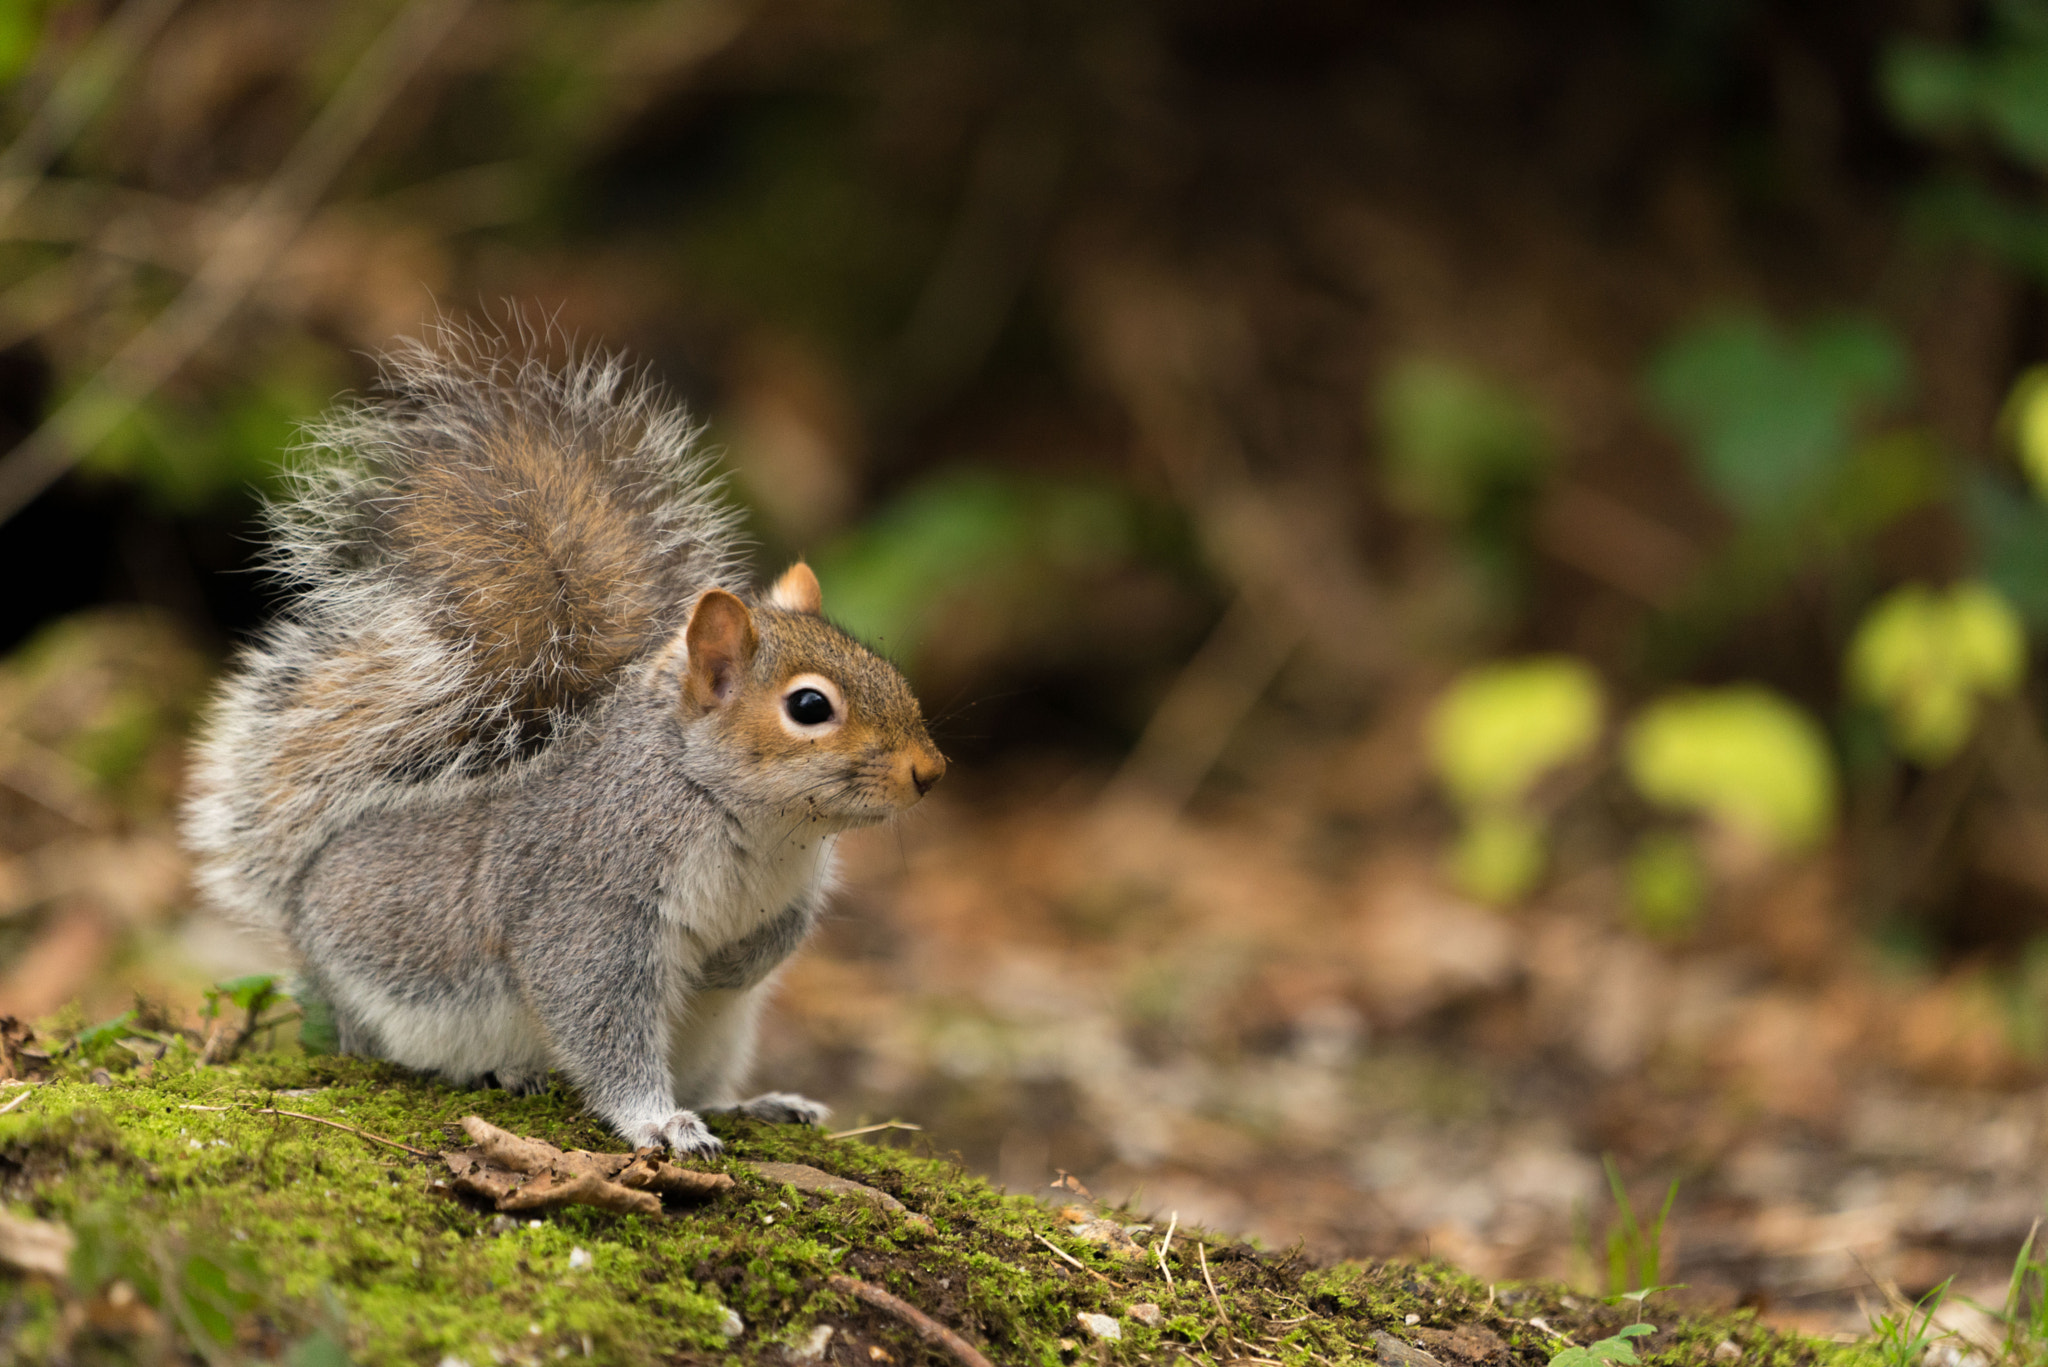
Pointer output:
1666, 885
1500, 727
2027, 410
1926, 657
1498, 857
1741, 755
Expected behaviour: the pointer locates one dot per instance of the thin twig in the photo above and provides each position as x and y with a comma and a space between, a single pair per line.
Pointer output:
1165, 1244
356, 1130
18, 1100
1223, 1320
1061, 1252
77, 95
240, 259
870, 1129
934, 1334
1205, 706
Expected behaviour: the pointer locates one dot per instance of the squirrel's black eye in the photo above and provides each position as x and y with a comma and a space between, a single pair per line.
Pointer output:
808, 707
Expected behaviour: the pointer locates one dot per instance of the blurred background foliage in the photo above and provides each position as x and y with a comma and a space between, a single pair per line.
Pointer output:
1029, 326
1564, 445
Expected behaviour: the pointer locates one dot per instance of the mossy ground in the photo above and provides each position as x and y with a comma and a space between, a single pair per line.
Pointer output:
263, 1237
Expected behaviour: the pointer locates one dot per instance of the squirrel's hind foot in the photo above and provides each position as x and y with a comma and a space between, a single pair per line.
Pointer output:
779, 1108
682, 1133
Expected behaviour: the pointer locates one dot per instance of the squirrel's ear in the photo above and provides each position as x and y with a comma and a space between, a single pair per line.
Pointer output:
797, 591
721, 640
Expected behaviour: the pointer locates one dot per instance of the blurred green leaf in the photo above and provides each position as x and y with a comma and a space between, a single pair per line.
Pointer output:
1453, 438
319, 1032
21, 30
95, 1038
1769, 417
1666, 885
1498, 856
1883, 478
113, 746
253, 992
1741, 755
106, 689
188, 457
2026, 414
1500, 727
1967, 211
1999, 87
1926, 657
983, 537
1928, 89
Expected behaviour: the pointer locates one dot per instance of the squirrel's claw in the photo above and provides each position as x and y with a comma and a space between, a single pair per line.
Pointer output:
682, 1133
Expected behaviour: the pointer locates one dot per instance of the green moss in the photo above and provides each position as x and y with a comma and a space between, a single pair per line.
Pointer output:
262, 1232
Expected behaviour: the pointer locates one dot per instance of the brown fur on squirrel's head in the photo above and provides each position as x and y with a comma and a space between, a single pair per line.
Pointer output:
826, 726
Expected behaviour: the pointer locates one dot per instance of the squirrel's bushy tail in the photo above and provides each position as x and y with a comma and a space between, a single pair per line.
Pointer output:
477, 555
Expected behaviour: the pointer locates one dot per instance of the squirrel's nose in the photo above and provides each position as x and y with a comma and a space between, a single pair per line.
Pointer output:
925, 776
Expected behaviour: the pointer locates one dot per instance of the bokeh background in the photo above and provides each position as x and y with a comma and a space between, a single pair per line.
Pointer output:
1482, 565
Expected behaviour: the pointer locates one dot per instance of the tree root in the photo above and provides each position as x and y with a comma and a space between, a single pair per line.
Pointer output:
518, 1175
930, 1330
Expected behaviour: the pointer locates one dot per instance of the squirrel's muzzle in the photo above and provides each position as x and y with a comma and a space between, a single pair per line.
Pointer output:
918, 771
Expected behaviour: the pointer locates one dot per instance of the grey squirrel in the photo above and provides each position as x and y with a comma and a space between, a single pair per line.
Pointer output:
526, 776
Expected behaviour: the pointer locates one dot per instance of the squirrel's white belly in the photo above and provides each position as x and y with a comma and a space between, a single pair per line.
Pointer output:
462, 1036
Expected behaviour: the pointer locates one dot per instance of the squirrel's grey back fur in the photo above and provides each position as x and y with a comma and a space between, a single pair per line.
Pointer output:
478, 556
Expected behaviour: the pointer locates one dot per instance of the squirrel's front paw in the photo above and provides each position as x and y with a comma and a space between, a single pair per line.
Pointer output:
681, 1133
784, 1108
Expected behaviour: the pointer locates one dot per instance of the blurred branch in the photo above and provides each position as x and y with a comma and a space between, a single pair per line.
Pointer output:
1167, 353
52, 782
239, 260
77, 95
43, 300
1208, 701
118, 220
1606, 539
1012, 184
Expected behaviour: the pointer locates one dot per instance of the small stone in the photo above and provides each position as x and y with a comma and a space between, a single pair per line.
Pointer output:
1391, 1352
1147, 1314
1726, 1351
1412, 1319
36, 1246
812, 1349
1069, 1345
877, 1353
729, 1322
1108, 1233
1103, 1327
450, 1360
102, 1078
579, 1258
